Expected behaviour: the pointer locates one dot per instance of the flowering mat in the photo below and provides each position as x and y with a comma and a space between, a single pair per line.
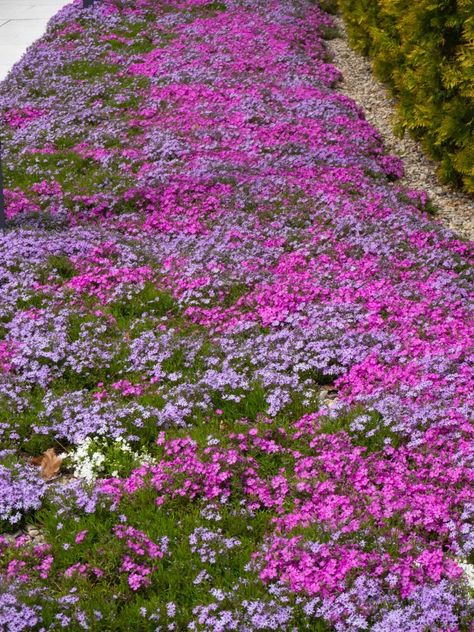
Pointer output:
236, 356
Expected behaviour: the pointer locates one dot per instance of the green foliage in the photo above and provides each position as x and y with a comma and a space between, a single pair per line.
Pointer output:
57, 266
370, 432
150, 300
330, 6
425, 51
173, 577
87, 70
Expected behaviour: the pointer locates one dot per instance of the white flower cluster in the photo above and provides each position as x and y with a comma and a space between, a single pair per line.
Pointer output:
95, 456
468, 573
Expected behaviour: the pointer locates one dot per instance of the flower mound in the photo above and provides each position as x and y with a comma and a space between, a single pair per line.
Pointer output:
251, 347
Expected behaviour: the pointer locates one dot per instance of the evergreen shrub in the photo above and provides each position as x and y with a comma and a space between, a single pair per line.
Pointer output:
424, 49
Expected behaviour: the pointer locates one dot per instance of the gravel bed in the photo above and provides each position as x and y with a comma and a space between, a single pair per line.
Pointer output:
454, 208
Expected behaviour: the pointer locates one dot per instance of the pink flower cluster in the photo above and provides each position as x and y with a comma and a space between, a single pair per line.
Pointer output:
140, 548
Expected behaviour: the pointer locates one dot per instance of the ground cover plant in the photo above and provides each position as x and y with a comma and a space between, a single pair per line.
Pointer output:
249, 347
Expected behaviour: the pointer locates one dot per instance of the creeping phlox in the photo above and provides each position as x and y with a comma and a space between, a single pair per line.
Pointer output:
96, 456
250, 345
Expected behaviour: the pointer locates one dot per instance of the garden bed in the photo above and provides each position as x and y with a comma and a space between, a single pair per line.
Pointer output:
248, 345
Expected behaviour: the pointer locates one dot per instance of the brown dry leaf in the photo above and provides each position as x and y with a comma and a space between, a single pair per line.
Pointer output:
50, 463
